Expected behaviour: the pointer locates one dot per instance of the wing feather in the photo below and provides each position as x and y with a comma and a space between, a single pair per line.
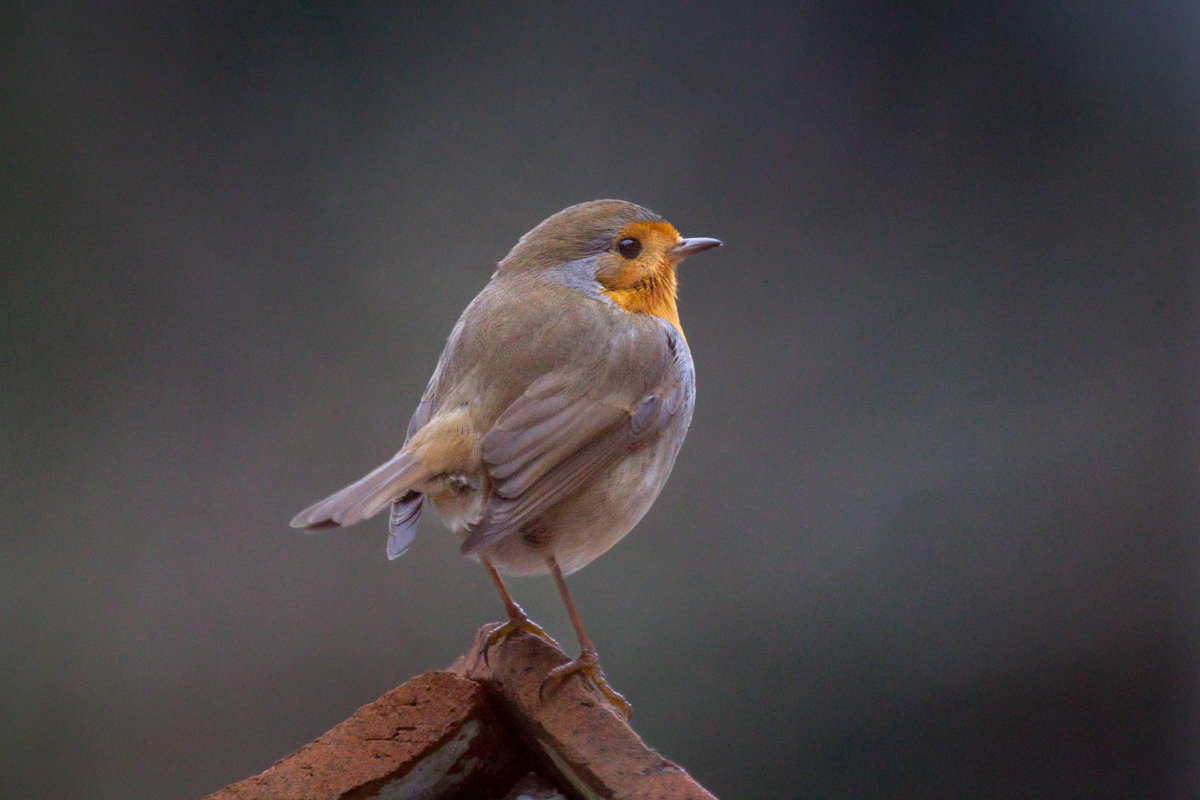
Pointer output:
544, 448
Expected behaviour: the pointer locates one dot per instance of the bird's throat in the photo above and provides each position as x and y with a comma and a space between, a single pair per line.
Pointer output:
654, 295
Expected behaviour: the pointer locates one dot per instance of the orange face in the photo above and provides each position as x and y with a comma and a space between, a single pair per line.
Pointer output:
638, 271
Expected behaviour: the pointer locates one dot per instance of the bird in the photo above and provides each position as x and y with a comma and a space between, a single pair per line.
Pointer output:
554, 415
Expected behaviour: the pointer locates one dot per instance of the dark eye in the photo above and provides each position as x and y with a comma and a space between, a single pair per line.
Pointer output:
629, 248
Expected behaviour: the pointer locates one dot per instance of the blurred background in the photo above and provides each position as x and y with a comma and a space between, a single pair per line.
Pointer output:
933, 532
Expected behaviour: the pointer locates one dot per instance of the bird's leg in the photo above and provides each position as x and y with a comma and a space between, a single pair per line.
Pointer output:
517, 622
587, 662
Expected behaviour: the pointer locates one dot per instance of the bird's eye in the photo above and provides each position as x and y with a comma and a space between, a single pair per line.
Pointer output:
629, 248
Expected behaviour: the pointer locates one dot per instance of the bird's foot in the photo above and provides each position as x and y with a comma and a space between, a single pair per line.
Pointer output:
587, 663
515, 625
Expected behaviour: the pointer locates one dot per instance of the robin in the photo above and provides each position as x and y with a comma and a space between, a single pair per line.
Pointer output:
555, 413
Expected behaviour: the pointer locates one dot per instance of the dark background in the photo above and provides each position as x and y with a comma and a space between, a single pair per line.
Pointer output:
932, 533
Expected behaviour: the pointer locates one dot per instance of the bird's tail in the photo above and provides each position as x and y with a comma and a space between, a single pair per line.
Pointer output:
365, 497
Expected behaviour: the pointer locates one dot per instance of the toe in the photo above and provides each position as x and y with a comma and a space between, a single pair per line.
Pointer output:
588, 665
512, 627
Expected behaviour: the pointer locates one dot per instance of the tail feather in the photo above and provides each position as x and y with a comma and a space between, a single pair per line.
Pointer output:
402, 523
365, 497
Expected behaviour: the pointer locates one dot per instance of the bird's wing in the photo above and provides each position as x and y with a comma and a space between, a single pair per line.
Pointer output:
551, 442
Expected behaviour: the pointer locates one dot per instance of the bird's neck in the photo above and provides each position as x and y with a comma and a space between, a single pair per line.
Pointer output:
654, 294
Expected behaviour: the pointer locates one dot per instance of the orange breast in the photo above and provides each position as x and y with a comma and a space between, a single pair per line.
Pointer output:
649, 297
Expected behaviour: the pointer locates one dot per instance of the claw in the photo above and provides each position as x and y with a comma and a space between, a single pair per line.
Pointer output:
588, 665
513, 627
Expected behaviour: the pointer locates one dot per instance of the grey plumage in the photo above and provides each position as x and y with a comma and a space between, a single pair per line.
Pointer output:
553, 417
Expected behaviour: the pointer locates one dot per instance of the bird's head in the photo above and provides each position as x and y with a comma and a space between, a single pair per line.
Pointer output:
625, 252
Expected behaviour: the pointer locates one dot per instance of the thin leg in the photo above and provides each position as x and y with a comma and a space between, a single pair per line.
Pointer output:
510, 605
588, 662
584, 642
518, 621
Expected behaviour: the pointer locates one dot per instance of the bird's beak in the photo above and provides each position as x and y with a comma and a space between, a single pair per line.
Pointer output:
686, 247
